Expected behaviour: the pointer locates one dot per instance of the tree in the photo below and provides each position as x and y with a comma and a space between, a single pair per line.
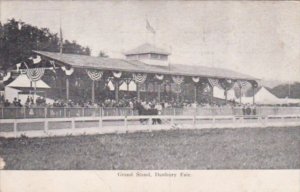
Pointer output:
284, 90
102, 54
18, 39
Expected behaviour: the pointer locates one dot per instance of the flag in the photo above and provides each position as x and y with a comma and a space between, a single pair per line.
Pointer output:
149, 27
61, 40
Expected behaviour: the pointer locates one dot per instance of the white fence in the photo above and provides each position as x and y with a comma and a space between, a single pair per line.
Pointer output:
46, 127
56, 112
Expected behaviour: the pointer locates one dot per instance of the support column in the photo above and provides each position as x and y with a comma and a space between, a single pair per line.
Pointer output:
117, 91
225, 92
138, 91
146, 91
240, 95
67, 89
253, 91
170, 91
158, 91
195, 93
93, 91
212, 94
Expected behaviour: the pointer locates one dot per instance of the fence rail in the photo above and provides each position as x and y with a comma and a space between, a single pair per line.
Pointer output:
68, 112
42, 127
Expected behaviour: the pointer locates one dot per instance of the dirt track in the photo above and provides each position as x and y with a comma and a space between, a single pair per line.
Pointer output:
249, 148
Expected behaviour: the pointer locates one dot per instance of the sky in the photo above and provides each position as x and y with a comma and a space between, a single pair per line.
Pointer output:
261, 39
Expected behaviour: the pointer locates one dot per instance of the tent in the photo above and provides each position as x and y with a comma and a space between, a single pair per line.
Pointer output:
263, 96
22, 81
13, 89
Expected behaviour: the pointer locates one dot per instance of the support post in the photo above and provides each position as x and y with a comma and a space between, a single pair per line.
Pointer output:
253, 90
146, 91
240, 95
100, 122
127, 83
125, 121
93, 91
15, 127
195, 93
212, 93
45, 112
158, 91
138, 91
73, 123
46, 126
67, 89
117, 91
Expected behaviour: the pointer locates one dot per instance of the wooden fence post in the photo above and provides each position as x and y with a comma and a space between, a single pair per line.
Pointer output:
100, 122
172, 120
65, 112
46, 127
45, 112
234, 121
15, 127
73, 123
214, 121
194, 120
150, 121
125, 121
24, 110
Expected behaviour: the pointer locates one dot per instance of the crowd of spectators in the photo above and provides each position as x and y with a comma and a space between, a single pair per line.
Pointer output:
111, 103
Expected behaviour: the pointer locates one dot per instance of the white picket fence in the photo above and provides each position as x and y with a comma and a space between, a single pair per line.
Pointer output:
122, 124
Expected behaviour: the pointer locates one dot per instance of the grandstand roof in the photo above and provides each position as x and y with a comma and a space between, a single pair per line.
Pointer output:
84, 61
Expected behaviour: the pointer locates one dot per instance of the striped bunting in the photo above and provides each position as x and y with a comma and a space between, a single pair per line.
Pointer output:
139, 77
196, 79
159, 77
94, 75
67, 71
214, 83
7, 76
244, 85
117, 74
35, 74
178, 79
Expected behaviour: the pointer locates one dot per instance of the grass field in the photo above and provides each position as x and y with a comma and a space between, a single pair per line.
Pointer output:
247, 148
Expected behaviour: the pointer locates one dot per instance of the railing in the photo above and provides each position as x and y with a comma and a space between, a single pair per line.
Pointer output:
42, 127
67, 112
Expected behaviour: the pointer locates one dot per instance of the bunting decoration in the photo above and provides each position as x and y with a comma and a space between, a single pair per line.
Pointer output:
196, 79
94, 75
117, 74
37, 59
159, 77
254, 84
243, 84
67, 71
178, 79
35, 74
7, 76
226, 84
214, 82
139, 77
18, 66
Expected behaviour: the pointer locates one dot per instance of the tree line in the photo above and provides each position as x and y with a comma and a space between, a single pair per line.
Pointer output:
18, 39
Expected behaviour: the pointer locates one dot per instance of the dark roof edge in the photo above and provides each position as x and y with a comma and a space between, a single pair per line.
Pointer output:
152, 72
